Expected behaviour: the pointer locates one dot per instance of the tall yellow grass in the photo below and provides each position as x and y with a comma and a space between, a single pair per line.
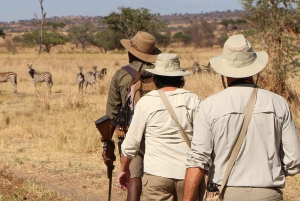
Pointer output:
56, 132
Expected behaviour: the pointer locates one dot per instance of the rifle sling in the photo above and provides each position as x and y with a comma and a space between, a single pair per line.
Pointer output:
130, 70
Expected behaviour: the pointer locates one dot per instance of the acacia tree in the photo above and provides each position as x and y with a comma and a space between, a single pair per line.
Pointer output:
50, 39
129, 21
108, 40
275, 24
82, 34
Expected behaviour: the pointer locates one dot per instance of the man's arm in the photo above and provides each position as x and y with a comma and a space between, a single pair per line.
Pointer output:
114, 99
124, 174
192, 181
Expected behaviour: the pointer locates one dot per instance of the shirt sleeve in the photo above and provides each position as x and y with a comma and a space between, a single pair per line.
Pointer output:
114, 100
202, 143
131, 144
290, 148
117, 93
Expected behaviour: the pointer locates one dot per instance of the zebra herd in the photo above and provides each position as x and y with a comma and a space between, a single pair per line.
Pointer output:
90, 77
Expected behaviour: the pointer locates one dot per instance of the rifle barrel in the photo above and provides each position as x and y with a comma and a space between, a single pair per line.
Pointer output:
109, 175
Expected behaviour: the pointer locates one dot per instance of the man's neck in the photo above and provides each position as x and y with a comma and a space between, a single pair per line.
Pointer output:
235, 81
169, 88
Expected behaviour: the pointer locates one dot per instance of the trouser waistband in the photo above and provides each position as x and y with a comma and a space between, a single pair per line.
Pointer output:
251, 187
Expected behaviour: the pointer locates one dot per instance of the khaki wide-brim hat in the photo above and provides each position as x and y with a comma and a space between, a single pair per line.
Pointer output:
238, 59
168, 65
142, 45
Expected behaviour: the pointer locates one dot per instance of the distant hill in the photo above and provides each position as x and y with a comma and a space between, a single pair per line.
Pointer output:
175, 21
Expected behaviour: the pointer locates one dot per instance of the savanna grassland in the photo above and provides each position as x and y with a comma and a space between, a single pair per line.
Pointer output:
50, 148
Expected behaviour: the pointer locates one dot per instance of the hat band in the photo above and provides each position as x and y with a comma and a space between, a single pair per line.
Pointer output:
134, 45
239, 63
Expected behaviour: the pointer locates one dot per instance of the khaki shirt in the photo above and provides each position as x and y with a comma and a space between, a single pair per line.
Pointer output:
165, 148
118, 88
271, 147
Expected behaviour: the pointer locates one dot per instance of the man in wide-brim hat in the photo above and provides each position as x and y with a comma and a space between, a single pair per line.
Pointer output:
166, 148
142, 53
270, 149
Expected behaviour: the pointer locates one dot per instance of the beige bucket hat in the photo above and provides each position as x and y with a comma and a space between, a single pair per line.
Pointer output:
142, 45
168, 65
238, 59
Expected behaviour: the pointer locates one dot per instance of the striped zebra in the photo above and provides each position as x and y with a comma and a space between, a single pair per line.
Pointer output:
80, 79
101, 74
206, 69
9, 77
196, 68
90, 77
40, 77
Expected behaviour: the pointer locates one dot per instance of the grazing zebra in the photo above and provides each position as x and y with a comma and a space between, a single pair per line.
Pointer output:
9, 77
206, 69
40, 77
196, 67
101, 74
90, 77
80, 79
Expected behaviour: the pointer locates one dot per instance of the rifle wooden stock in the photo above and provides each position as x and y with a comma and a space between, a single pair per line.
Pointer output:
105, 128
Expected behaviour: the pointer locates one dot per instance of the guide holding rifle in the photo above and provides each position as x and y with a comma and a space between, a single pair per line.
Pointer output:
141, 53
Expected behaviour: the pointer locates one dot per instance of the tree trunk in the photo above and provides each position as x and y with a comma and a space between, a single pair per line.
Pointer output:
40, 41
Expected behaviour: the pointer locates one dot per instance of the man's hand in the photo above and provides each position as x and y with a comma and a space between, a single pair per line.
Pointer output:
108, 153
123, 179
124, 175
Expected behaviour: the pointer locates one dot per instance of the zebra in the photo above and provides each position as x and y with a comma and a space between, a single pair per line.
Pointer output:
90, 77
80, 79
40, 77
101, 74
196, 68
9, 77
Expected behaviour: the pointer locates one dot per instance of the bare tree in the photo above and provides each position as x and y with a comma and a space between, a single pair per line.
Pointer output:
41, 26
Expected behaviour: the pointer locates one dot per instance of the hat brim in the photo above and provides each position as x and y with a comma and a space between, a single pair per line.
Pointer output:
245, 71
170, 74
151, 58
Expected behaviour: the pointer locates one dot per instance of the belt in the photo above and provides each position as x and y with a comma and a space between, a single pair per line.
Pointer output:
249, 187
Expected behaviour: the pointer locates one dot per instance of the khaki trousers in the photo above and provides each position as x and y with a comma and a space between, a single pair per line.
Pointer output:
157, 188
252, 194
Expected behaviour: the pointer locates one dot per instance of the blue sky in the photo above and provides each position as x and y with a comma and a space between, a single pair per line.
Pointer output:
14, 10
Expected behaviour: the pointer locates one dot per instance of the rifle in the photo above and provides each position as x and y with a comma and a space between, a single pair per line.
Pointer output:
106, 129
122, 121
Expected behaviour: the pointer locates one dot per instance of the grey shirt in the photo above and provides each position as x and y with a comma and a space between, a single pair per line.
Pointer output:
270, 149
165, 149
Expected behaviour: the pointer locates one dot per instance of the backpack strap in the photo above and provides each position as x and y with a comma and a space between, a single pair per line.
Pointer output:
130, 70
174, 117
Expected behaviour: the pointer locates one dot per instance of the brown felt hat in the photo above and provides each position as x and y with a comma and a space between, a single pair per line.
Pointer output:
142, 45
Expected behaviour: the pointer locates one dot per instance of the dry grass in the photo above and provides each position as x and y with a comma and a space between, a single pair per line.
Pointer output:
52, 137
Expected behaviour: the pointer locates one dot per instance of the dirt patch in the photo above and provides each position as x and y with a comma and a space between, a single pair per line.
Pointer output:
13, 183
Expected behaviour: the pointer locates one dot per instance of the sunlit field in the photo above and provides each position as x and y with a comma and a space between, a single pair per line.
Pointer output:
49, 140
